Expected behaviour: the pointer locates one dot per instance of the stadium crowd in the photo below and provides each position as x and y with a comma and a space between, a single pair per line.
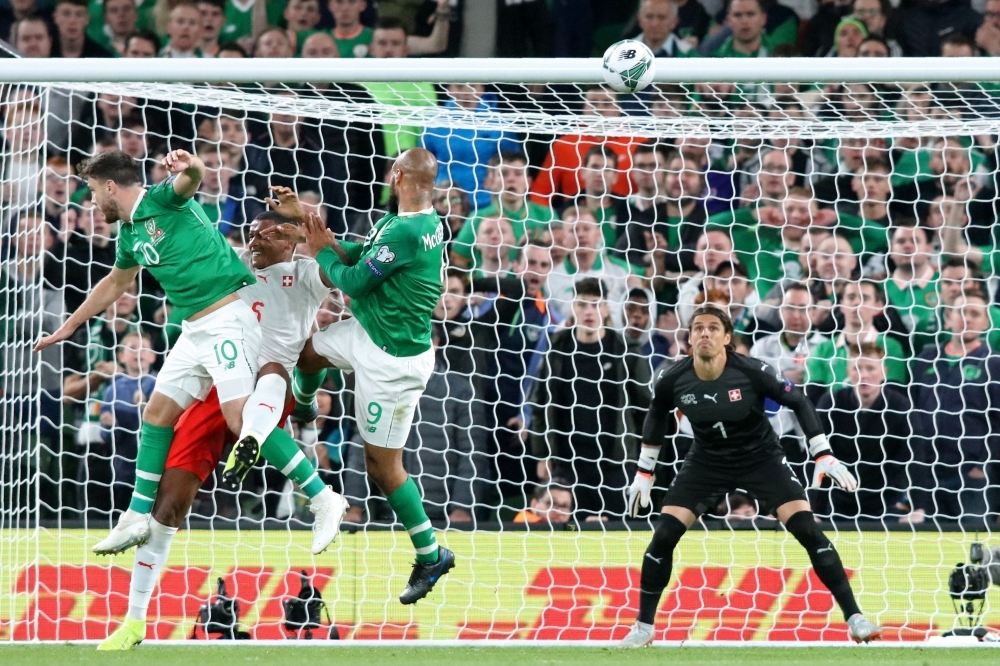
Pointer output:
862, 269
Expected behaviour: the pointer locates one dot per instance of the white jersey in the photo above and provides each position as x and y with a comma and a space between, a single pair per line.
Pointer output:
285, 298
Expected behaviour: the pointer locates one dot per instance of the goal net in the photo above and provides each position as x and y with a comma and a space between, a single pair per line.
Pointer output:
846, 222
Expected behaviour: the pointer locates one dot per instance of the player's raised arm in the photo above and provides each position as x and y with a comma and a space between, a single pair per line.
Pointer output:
104, 294
189, 170
782, 391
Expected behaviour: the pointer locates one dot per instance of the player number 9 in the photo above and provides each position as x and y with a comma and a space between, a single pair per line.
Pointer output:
375, 412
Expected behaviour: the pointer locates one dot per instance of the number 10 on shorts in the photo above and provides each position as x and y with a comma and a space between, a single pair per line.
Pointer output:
374, 415
226, 352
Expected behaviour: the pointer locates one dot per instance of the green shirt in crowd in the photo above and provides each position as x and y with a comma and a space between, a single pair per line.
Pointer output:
531, 218
917, 304
827, 363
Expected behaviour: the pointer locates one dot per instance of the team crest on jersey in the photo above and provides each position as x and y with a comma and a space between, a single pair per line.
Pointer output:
689, 399
155, 233
972, 372
384, 255
735, 396
287, 281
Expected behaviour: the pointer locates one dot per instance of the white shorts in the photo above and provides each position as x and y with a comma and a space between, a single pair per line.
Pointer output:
221, 348
386, 388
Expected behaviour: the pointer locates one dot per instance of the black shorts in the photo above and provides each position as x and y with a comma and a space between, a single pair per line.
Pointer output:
700, 486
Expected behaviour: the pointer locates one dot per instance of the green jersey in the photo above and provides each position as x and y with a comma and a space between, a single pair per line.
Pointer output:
827, 363
917, 304
399, 137
239, 18
395, 281
356, 46
172, 238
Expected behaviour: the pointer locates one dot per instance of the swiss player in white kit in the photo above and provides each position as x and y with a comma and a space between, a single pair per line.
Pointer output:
286, 298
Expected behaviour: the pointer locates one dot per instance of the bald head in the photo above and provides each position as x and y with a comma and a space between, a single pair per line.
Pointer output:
419, 166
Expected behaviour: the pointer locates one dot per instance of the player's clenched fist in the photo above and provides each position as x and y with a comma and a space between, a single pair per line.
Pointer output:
638, 492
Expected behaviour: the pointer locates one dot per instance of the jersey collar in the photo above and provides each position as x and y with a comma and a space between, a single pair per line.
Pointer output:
138, 200
425, 211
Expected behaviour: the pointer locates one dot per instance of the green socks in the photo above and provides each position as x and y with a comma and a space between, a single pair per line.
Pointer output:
409, 508
305, 386
154, 445
280, 450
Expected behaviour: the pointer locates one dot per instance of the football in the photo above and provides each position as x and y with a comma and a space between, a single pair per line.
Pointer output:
628, 66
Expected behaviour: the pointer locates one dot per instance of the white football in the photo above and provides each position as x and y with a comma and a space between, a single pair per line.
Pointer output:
629, 66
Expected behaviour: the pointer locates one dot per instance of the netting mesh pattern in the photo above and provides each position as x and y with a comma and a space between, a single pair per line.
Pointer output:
848, 230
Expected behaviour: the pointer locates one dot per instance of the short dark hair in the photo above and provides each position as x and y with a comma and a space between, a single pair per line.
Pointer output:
391, 23
736, 267
637, 293
796, 286
721, 315
233, 46
221, 4
133, 121
958, 39
876, 38
104, 7
600, 149
30, 18
975, 292
274, 216
591, 287
911, 223
147, 36
509, 157
114, 165
879, 289
78, 3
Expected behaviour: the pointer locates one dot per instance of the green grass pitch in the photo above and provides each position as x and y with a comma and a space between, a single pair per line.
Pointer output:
84, 655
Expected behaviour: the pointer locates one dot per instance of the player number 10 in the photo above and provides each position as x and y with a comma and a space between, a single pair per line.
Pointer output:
722, 429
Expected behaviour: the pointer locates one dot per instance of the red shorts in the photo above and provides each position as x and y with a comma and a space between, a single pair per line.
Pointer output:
201, 436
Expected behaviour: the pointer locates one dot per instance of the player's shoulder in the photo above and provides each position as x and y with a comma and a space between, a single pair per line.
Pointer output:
668, 373
751, 366
162, 195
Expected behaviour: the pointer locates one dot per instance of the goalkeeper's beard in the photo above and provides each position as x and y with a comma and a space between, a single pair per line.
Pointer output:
393, 204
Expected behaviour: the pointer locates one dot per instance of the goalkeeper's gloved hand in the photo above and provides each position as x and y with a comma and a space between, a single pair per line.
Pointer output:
827, 465
638, 492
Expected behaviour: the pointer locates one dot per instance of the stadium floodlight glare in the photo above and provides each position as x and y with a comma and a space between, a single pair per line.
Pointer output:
837, 121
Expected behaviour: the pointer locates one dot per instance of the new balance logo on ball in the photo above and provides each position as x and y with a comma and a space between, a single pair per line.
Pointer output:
627, 55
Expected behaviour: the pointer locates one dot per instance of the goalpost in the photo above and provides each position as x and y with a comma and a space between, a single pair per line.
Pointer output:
330, 129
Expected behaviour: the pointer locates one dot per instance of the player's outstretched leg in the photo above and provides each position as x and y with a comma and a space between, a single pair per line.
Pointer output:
656, 567
826, 562
280, 450
133, 527
149, 559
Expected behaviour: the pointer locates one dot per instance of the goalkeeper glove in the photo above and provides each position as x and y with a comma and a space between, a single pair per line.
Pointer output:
638, 492
827, 465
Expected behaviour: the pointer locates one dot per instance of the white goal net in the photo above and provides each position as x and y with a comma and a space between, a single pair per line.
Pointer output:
847, 225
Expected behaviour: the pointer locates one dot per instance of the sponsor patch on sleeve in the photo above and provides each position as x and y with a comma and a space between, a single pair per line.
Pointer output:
373, 267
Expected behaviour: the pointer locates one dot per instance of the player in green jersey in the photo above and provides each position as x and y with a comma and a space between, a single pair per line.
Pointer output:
394, 279
163, 230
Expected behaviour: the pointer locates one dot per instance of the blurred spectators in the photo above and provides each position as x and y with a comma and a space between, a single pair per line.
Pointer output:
552, 503
453, 206
876, 15
586, 396
121, 411
353, 38
273, 43
71, 18
868, 426
119, 20
658, 19
17, 10
847, 38
586, 259
319, 45
913, 286
955, 392
142, 44
599, 174
988, 34
301, 19
507, 181
213, 17
713, 248
463, 154
511, 332
82, 256
861, 304
561, 179
32, 36
923, 24
184, 32
746, 19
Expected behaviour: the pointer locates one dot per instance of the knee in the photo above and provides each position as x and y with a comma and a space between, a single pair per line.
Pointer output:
169, 511
668, 532
310, 362
803, 527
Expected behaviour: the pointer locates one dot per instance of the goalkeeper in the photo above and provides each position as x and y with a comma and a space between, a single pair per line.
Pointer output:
395, 279
722, 393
